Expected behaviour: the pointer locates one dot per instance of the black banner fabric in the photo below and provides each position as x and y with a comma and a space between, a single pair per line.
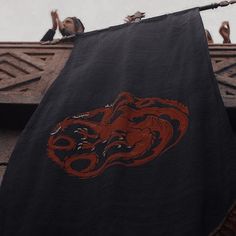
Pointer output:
131, 139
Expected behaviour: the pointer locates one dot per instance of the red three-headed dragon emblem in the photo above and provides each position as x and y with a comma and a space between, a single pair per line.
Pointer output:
130, 132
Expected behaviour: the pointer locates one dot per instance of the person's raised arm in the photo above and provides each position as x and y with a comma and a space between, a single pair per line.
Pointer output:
51, 32
225, 32
59, 22
54, 19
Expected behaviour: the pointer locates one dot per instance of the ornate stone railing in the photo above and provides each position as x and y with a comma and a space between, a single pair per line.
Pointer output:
28, 69
224, 64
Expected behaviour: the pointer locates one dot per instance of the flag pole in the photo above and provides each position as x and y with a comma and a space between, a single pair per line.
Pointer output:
216, 5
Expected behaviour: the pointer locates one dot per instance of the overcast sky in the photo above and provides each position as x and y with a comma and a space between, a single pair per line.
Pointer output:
28, 20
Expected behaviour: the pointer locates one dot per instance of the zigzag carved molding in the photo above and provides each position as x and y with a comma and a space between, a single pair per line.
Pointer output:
30, 68
27, 70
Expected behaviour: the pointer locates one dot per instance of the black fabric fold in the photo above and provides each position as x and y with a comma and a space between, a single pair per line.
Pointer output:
132, 138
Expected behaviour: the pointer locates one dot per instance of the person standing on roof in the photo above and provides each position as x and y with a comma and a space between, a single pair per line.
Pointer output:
68, 28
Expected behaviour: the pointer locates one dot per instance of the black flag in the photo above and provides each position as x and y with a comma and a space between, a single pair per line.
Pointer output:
131, 139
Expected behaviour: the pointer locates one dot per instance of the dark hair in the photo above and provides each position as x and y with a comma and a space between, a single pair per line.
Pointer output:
78, 24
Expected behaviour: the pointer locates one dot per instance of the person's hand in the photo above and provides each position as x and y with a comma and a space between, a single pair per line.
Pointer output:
54, 41
225, 31
128, 19
136, 17
54, 16
59, 22
45, 42
57, 15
